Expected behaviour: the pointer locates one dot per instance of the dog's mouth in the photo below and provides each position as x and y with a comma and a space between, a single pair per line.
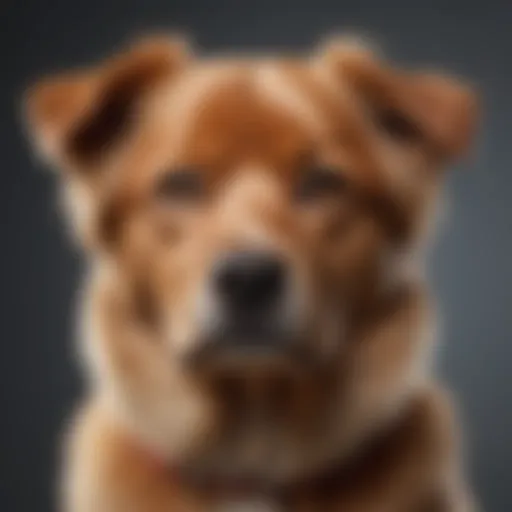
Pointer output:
247, 347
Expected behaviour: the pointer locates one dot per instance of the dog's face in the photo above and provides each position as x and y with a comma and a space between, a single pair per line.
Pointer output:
254, 206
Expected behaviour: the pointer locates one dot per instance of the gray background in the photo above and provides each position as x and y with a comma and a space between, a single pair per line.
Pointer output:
470, 266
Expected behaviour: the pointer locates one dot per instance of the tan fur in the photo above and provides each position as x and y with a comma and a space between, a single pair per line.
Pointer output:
370, 431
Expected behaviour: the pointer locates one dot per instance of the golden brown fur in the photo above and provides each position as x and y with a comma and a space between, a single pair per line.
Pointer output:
359, 426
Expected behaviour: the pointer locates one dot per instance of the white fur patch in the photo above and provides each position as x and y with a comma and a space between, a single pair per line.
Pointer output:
250, 193
279, 88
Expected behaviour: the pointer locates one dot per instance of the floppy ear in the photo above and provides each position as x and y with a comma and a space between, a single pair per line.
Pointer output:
76, 117
434, 112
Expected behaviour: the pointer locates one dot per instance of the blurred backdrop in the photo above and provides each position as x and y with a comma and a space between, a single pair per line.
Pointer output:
470, 267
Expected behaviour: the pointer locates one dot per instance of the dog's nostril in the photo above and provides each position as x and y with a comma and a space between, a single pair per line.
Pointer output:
248, 279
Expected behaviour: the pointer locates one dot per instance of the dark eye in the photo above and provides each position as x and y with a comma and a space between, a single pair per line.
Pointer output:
180, 184
319, 182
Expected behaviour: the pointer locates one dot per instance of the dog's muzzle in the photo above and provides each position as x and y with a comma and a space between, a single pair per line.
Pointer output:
251, 313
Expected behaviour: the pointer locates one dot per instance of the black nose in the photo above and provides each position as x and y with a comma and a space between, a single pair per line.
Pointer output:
249, 281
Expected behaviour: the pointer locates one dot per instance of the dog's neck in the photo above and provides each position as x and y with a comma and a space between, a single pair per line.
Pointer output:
265, 431
377, 454
268, 428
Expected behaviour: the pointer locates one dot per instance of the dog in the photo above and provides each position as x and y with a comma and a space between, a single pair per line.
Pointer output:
256, 327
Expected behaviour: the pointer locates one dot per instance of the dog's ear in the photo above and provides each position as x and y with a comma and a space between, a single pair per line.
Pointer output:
79, 119
431, 111
76, 118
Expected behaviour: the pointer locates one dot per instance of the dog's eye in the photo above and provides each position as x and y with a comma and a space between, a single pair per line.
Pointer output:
319, 182
180, 184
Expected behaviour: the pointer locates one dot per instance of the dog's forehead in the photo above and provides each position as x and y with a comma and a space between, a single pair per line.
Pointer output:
221, 116
266, 105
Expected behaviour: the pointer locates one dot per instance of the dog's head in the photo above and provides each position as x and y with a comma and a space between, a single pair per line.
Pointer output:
253, 207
